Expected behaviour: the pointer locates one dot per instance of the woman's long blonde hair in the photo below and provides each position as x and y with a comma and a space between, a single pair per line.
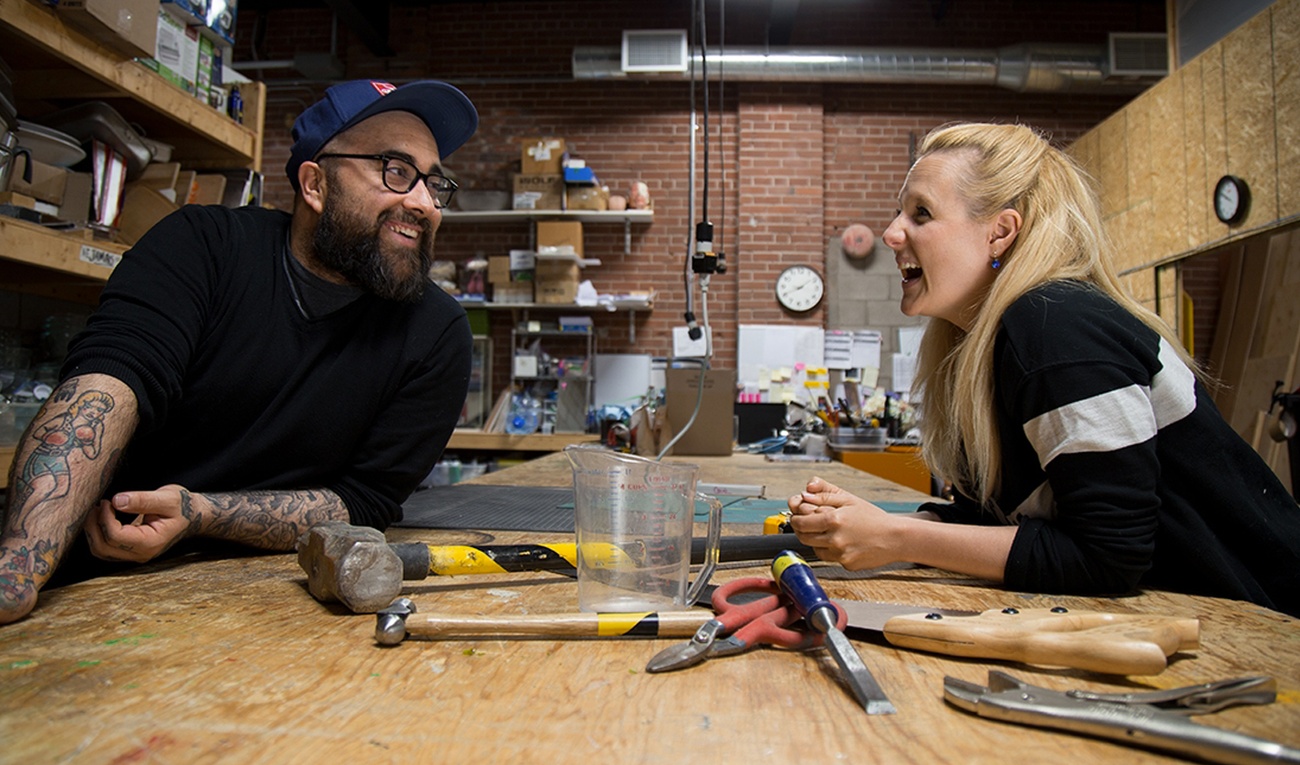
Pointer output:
1061, 237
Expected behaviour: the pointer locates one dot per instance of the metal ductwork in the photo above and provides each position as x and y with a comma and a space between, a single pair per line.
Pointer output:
1022, 68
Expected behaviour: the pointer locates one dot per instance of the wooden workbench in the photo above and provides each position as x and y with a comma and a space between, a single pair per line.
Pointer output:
231, 660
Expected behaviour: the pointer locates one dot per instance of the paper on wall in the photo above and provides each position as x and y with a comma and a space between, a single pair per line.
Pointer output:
685, 347
909, 340
904, 372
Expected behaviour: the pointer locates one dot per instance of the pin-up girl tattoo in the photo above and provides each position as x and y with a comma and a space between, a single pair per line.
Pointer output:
47, 474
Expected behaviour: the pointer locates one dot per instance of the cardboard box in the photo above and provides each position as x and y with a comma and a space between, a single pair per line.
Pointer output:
541, 156
129, 27
713, 428
142, 207
556, 280
586, 198
215, 17
539, 192
17, 200
559, 233
175, 54
556, 291
523, 264
48, 181
76, 198
512, 292
210, 189
203, 71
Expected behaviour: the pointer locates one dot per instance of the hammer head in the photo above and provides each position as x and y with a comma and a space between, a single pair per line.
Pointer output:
350, 564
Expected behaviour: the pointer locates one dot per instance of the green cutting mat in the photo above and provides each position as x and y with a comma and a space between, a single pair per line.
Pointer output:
753, 510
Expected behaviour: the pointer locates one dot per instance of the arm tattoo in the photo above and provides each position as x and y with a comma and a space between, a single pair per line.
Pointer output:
46, 475
20, 568
271, 520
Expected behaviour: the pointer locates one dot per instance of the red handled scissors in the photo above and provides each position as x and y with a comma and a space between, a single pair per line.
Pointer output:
749, 611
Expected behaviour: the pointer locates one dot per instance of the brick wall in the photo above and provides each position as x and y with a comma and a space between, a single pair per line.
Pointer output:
791, 164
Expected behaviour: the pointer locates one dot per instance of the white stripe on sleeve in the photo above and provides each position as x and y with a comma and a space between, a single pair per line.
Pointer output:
1102, 423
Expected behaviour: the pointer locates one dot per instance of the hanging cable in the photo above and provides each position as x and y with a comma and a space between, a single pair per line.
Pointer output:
705, 260
688, 275
722, 112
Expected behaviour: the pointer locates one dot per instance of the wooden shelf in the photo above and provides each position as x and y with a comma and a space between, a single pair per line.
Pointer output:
67, 253
57, 66
584, 216
6, 457
506, 442
626, 217
622, 305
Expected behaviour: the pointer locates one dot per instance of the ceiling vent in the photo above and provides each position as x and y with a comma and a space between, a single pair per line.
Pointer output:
655, 50
1135, 54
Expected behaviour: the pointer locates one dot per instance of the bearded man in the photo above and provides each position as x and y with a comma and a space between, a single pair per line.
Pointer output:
264, 372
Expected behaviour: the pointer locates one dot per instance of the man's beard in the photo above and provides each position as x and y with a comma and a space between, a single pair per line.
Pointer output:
346, 245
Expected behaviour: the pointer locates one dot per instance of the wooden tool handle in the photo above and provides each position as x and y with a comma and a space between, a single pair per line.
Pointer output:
567, 625
1121, 644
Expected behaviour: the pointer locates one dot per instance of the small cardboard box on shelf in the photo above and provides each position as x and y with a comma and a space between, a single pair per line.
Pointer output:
129, 27
538, 192
541, 156
556, 235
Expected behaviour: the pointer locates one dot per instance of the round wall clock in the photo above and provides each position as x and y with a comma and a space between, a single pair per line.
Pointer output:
1231, 199
799, 288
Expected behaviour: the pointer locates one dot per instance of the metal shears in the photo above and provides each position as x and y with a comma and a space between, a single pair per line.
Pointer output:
750, 611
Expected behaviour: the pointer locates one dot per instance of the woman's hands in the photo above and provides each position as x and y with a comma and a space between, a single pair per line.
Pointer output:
162, 518
844, 528
849, 530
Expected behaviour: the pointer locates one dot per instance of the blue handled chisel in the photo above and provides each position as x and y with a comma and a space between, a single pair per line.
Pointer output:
799, 583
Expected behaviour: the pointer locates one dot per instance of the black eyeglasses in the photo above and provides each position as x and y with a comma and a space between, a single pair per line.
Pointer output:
400, 175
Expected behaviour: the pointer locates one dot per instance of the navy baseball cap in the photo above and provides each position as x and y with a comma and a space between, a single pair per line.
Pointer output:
447, 112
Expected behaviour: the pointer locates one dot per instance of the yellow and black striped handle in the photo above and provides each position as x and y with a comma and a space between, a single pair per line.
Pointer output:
420, 561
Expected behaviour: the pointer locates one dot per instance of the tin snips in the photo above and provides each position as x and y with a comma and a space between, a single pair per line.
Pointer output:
1153, 719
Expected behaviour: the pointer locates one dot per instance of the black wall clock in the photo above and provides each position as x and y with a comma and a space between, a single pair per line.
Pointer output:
1231, 199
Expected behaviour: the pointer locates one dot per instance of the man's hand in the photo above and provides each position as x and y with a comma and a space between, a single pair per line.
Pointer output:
162, 518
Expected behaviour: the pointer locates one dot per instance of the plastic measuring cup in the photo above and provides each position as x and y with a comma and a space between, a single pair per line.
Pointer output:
633, 518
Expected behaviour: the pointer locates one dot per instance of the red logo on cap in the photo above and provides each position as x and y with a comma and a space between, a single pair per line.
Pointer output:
384, 88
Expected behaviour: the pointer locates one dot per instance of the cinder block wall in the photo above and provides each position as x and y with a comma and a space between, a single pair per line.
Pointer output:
791, 164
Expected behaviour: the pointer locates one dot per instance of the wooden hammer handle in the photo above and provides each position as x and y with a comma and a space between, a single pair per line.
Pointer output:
565, 625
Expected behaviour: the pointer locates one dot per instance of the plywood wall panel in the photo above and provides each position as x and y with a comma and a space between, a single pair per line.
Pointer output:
1255, 390
1286, 90
1237, 351
1166, 190
1215, 148
1249, 115
1087, 153
1195, 174
1126, 233
1113, 173
1282, 330
1142, 286
1235, 108
1223, 330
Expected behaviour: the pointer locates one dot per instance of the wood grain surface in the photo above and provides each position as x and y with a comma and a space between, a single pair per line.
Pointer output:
230, 660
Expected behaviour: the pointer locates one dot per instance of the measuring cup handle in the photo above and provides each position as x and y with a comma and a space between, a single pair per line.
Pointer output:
713, 541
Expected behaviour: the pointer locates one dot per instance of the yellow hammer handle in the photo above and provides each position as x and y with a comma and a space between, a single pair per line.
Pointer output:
565, 625
1120, 644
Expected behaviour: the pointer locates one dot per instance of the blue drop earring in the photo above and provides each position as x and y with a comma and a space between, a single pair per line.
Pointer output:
997, 263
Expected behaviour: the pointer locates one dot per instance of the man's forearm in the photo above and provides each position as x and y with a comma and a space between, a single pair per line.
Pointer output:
272, 520
62, 464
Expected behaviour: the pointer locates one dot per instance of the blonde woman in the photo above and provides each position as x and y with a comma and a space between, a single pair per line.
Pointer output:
1086, 455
